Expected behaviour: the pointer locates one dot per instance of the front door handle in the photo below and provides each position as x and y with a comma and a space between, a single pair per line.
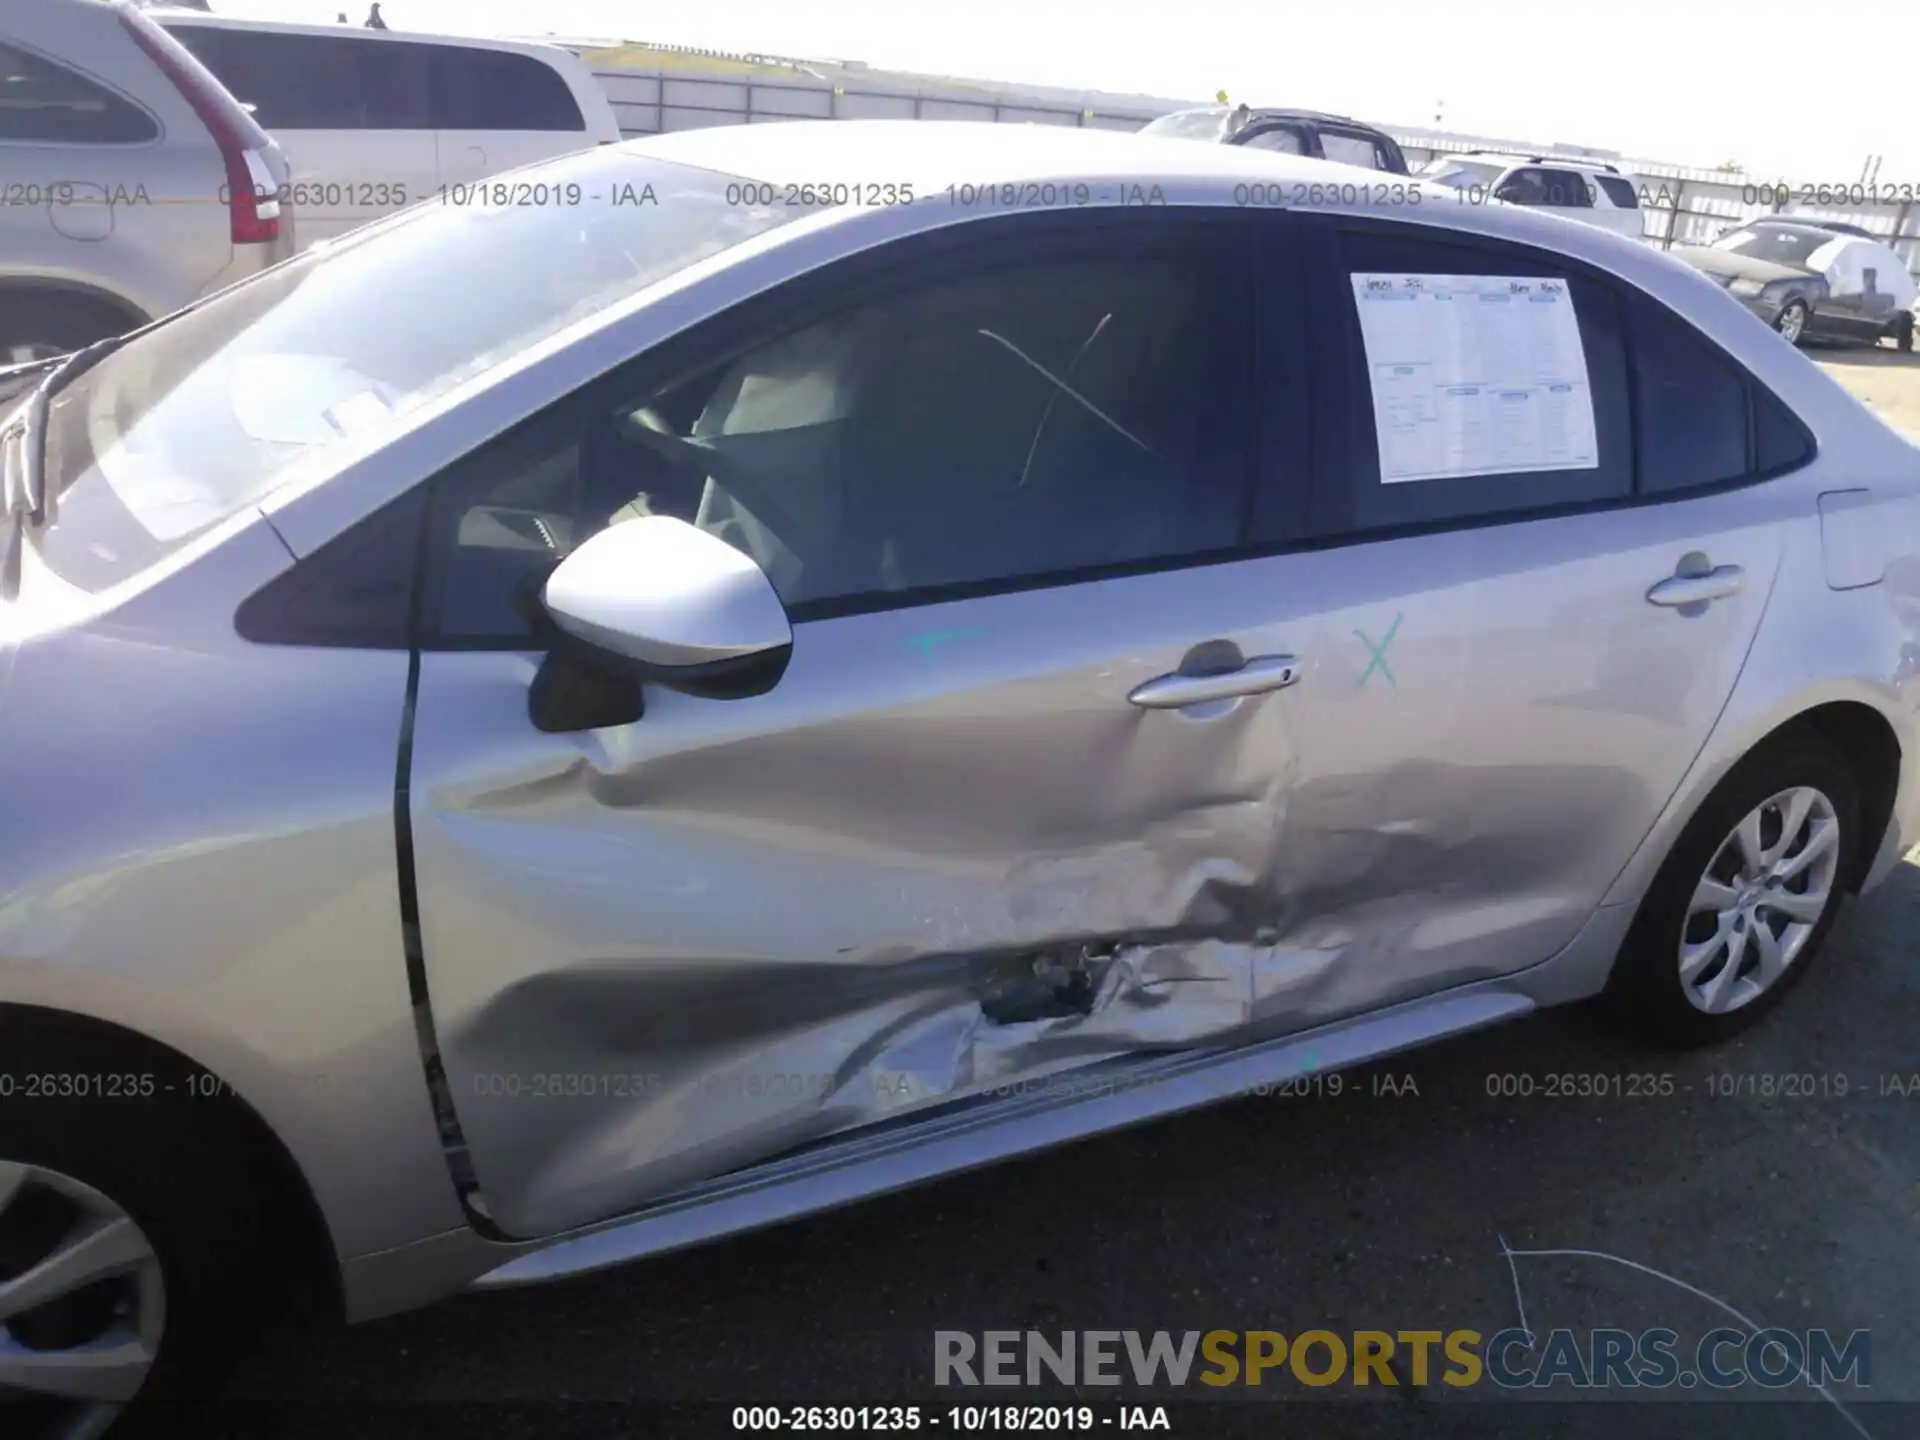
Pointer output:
1715, 584
1177, 691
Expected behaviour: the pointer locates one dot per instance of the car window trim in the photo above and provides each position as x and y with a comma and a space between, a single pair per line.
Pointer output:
898, 267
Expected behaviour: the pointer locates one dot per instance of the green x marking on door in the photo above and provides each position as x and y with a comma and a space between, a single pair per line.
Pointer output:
1379, 660
925, 643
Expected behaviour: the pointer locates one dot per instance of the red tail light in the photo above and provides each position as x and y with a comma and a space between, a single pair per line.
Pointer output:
252, 198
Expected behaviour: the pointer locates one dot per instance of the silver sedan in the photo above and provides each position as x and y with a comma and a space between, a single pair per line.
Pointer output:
757, 667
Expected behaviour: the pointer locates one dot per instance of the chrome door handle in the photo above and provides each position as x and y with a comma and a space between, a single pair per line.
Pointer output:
1716, 584
1256, 677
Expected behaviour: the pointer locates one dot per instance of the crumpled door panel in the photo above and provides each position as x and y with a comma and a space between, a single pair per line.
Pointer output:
667, 950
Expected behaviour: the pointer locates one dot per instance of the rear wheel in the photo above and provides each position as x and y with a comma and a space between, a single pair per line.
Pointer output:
1791, 322
1903, 334
1745, 899
136, 1254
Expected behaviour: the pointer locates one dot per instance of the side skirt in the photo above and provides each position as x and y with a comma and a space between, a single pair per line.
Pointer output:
1080, 1104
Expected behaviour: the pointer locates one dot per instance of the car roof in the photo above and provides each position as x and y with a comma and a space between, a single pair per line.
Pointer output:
1840, 227
1277, 112
181, 15
1515, 157
933, 154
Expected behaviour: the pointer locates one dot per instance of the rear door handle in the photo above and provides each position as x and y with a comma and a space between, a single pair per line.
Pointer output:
1716, 584
1256, 677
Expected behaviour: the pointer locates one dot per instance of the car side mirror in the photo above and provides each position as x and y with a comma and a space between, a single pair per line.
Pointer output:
654, 598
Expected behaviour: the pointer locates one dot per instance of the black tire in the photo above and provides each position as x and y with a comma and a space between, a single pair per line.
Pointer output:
1645, 989
53, 323
175, 1161
1903, 335
1780, 320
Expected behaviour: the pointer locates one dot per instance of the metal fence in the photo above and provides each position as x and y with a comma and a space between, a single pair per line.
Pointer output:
1681, 205
1686, 206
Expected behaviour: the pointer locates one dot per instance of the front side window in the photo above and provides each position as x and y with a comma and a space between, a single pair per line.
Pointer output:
204, 416
42, 101
1351, 149
1032, 420
1284, 139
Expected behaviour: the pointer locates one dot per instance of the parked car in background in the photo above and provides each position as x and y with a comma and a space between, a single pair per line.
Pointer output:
376, 120
774, 713
1584, 190
130, 181
1813, 279
1291, 132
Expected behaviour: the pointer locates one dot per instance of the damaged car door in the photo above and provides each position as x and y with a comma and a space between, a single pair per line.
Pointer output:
1012, 807
1531, 576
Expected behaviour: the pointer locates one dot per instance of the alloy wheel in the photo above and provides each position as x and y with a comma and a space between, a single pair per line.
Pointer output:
82, 1305
1792, 320
1762, 894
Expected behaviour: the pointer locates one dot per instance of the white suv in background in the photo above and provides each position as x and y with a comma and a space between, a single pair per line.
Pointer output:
1586, 190
376, 120
130, 182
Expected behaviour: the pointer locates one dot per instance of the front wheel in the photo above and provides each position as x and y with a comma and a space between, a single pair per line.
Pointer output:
134, 1255
1903, 334
1745, 899
1791, 322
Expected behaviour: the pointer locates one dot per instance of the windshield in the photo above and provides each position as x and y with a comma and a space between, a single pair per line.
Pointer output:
191, 424
1209, 124
1461, 174
1782, 244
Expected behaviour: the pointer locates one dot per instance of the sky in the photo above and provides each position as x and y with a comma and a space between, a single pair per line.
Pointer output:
1758, 82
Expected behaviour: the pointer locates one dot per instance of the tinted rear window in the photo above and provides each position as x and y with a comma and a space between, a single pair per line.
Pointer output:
1619, 191
46, 102
499, 90
1690, 404
1700, 419
316, 82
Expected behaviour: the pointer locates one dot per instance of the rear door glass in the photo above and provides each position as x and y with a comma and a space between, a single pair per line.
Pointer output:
46, 102
317, 82
1619, 191
500, 90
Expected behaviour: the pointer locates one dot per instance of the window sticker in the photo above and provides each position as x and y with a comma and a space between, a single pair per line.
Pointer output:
1475, 375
